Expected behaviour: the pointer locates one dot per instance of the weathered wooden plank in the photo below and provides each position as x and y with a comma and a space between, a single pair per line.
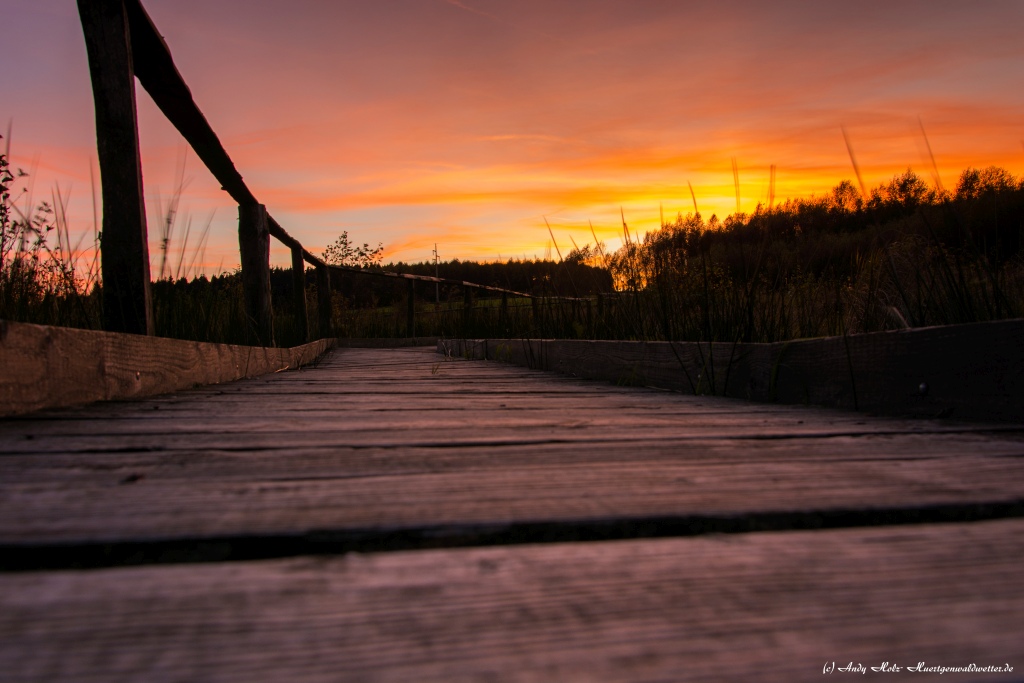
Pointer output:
461, 401
766, 607
127, 305
231, 400
251, 458
972, 371
366, 412
78, 469
134, 502
56, 366
359, 426
388, 343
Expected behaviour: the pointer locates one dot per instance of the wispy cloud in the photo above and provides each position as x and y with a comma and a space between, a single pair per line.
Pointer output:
464, 6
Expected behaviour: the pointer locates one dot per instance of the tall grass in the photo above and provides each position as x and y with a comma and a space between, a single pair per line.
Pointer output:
903, 254
906, 256
44, 278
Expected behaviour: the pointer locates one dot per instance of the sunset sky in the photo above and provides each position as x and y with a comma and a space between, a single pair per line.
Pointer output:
467, 122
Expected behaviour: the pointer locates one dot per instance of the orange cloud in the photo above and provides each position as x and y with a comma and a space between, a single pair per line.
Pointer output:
465, 123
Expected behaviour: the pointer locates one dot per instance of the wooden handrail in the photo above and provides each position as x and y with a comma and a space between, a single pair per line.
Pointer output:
155, 69
149, 59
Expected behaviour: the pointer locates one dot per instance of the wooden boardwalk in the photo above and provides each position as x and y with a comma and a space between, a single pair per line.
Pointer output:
391, 515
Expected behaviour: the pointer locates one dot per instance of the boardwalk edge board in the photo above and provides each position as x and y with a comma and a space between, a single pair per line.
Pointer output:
973, 371
50, 367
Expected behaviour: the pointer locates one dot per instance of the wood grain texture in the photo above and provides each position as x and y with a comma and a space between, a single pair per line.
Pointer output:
764, 607
400, 438
971, 371
377, 440
55, 366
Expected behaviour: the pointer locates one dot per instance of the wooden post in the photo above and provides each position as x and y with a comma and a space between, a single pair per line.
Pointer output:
323, 295
503, 318
299, 284
467, 310
410, 320
254, 245
127, 306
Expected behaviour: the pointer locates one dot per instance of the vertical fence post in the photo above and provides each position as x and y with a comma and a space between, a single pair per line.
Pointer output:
127, 304
503, 317
299, 284
254, 246
410, 311
467, 310
323, 295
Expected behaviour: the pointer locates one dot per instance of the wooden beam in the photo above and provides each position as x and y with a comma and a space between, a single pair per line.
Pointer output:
254, 244
124, 242
768, 607
310, 259
287, 240
969, 371
299, 284
50, 367
324, 304
158, 75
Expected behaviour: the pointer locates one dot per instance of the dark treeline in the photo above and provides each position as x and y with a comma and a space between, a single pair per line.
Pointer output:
570, 278
907, 255
210, 309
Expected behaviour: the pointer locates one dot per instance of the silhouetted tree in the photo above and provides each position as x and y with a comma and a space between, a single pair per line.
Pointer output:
343, 253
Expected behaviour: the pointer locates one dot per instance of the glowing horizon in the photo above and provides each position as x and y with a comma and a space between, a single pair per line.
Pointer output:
468, 123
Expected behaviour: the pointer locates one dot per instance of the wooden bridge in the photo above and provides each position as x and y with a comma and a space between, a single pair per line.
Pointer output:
400, 515
415, 515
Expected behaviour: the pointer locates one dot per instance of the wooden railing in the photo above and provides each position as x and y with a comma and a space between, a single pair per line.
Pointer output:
124, 44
